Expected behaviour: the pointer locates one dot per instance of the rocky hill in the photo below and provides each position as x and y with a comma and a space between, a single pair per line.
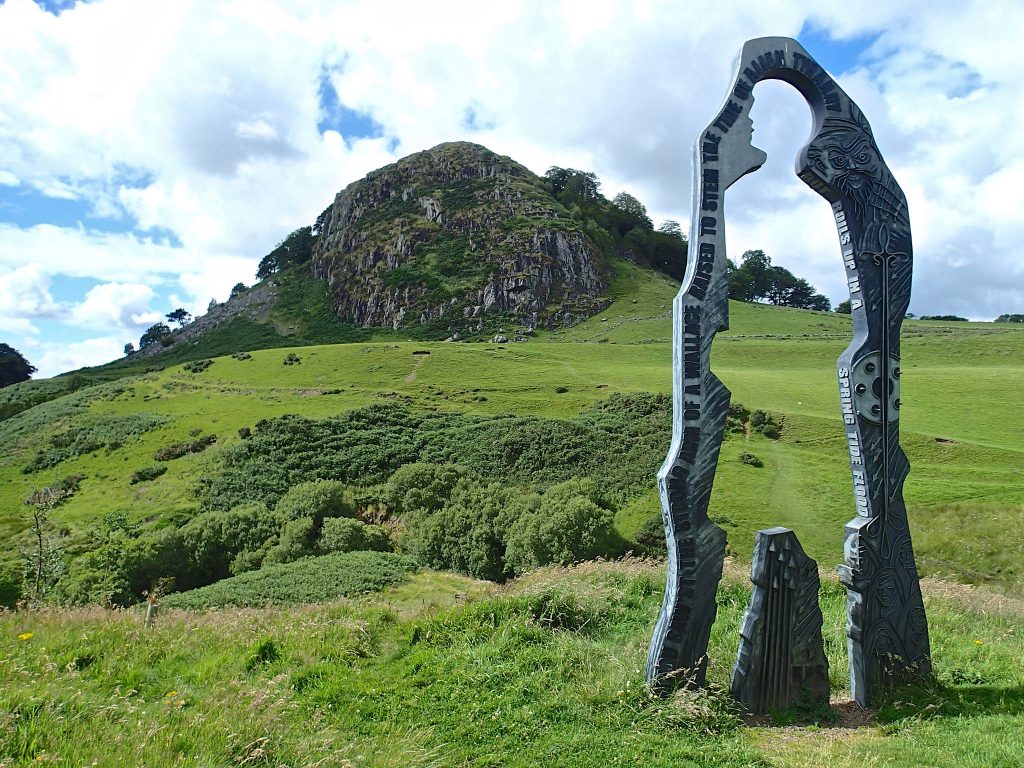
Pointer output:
451, 236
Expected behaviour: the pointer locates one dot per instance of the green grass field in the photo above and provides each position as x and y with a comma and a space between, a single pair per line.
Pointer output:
961, 427
446, 671
441, 670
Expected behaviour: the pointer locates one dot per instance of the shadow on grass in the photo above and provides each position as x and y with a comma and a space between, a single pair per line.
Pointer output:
925, 701
937, 699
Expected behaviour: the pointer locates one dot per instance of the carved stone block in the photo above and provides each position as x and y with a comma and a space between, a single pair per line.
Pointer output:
782, 655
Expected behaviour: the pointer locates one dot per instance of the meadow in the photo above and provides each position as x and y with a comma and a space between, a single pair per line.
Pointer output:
961, 422
391, 664
442, 670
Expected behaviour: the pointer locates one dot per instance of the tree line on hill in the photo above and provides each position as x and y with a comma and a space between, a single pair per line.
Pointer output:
665, 248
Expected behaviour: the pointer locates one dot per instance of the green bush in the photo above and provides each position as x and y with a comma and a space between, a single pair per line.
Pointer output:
343, 534
422, 487
311, 580
297, 540
751, 459
568, 527
468, 534
197, 366
110, 432
177, 450
316, 499
10, 586
146, 473
461, 539
212, 540
620, 442
651, 535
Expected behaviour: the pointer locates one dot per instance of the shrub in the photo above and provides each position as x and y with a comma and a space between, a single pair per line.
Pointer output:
242, 356
651, 535
751, 459
292, 359
197, 366
737, 411
316, 499
343, 534
772, 431
568, 527
146, 473
758, 419
426, 487
468, 534
110, 432
620, 442
561, 390
213, 540
297, 540
177, 450
461, 539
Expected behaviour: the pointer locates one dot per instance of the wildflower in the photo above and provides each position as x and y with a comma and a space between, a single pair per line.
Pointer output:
169, 694
25, 636
977, 642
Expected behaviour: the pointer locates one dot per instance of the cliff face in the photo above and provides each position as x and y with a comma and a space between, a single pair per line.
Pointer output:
454, 234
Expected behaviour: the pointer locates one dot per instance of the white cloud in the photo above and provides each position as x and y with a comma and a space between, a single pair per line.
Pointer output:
201, 119
25, 293
87, 253
115, 305
52, 358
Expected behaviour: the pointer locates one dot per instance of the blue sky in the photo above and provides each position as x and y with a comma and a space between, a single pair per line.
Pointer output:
151, 153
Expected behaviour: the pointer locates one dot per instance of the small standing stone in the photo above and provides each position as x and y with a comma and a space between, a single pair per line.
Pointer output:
781, 658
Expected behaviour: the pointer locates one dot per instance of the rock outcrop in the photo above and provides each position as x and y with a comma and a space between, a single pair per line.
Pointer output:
452, 236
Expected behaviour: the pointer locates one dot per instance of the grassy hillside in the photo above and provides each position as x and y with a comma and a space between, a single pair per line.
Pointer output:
962, 421
445, 671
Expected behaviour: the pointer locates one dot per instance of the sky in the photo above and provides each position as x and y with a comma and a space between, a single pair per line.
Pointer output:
151, 153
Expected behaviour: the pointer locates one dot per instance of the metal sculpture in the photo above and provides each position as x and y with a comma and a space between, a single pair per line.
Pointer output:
887, 630
781, 660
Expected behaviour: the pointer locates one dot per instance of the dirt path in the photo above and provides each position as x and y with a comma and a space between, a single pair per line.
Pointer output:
418, 359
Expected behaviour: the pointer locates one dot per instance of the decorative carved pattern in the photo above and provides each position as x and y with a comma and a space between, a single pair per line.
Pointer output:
887, 629
782, 655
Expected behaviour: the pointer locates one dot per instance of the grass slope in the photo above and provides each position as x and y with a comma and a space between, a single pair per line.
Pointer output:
444, 671
961, 426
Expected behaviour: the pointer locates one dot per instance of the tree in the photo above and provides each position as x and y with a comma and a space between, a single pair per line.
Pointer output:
1010, 319
180, 316
843, 307
13, 366
752, 280
321, 221
128, 349
580, 184
757, 279
295, 249
671, 227
155, 333
43, 563
237, 289
634, 213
